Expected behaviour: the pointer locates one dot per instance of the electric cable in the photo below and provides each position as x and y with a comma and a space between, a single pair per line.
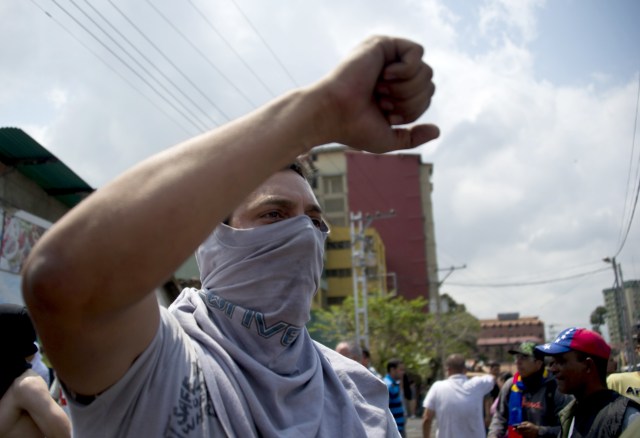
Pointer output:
635, 202
251, 70
152, 64
143, 79
203, 127
531, 283
178, 69
110, 67
266, 44
204, 57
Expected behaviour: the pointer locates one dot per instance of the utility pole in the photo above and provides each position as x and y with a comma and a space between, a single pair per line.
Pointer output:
438, 313
623, 315
358, 226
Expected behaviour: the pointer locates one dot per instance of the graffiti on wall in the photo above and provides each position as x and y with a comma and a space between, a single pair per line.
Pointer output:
18, 237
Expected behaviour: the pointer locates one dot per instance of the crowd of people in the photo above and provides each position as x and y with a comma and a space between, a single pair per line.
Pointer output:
564, 388
234, 358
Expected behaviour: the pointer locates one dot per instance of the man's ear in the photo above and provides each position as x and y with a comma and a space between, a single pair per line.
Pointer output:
591, 365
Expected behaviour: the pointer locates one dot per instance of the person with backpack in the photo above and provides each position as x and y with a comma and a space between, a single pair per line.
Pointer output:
529, 402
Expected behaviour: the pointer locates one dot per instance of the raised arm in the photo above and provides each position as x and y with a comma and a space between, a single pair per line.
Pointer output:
88, 281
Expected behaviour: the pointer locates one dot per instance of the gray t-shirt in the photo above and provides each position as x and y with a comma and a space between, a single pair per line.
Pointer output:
164, 394
235, 358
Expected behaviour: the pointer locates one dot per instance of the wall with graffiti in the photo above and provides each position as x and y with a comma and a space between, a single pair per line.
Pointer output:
20, 231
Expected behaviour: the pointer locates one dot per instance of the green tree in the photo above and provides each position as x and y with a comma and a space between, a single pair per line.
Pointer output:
401, 328
598, 318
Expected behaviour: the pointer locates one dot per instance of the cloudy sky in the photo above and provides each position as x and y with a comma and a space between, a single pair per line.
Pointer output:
535, 173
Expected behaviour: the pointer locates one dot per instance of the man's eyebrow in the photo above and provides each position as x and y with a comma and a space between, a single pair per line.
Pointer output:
278, 201
314, 208
271, 201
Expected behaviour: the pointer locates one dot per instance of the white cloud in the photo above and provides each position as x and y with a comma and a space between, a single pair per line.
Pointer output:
57, 97
508, 16
530, 176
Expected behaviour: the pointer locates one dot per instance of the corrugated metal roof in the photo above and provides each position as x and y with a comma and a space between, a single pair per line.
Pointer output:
19, 150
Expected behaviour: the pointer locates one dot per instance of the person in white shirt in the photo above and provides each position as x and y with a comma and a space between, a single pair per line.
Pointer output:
456, 402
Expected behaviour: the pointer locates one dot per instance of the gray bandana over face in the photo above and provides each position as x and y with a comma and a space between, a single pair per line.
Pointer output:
273, 269
264, 374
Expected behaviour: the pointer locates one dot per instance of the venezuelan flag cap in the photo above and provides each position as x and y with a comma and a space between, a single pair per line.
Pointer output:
577, 339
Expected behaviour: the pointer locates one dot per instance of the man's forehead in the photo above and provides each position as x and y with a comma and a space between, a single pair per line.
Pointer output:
282, 187
564, 356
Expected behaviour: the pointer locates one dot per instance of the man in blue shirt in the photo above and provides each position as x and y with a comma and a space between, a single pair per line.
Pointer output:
395, 371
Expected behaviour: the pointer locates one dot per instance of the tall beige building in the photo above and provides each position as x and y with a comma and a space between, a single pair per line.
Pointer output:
394, 192
626, 307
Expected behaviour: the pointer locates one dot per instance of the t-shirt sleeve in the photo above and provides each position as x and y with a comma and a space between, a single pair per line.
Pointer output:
430, 401
162, 394
482, 384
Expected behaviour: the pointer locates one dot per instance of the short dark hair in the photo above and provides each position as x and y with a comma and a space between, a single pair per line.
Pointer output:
393, 363
300, 167
599, 362
455, 363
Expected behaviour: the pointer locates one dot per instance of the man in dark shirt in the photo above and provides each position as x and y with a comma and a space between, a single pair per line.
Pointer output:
579, 363
530, 401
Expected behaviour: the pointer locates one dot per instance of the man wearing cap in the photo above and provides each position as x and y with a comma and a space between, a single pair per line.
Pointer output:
580, 358
529, 402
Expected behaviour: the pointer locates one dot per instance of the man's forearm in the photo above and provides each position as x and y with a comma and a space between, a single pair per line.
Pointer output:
182, 193
426, 428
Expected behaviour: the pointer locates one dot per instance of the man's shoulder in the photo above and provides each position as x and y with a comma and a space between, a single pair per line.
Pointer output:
623, 377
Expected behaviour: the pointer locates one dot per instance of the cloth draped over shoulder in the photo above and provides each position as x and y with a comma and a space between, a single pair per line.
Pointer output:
264, 373
308, 390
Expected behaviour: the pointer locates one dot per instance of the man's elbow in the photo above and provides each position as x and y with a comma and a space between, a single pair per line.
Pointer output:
46, 284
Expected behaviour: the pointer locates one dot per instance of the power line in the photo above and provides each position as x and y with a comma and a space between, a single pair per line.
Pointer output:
198, 128
265, 44
530, 283
151, 63
202, 127
204, 57
210, 24
178, 69
635, 203
111, 67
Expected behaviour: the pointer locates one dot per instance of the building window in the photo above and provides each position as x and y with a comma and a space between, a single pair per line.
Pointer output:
332, 184
336, 221
338, 272
335, 301
338, 244
334, 205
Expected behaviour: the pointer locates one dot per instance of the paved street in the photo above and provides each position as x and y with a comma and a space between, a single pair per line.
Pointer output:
414, 428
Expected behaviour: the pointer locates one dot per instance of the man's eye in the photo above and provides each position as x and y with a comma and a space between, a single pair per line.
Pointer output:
272, 215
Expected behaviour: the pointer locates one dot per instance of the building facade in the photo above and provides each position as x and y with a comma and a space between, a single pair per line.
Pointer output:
393, 193
36, 189
498, 336
622, 306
